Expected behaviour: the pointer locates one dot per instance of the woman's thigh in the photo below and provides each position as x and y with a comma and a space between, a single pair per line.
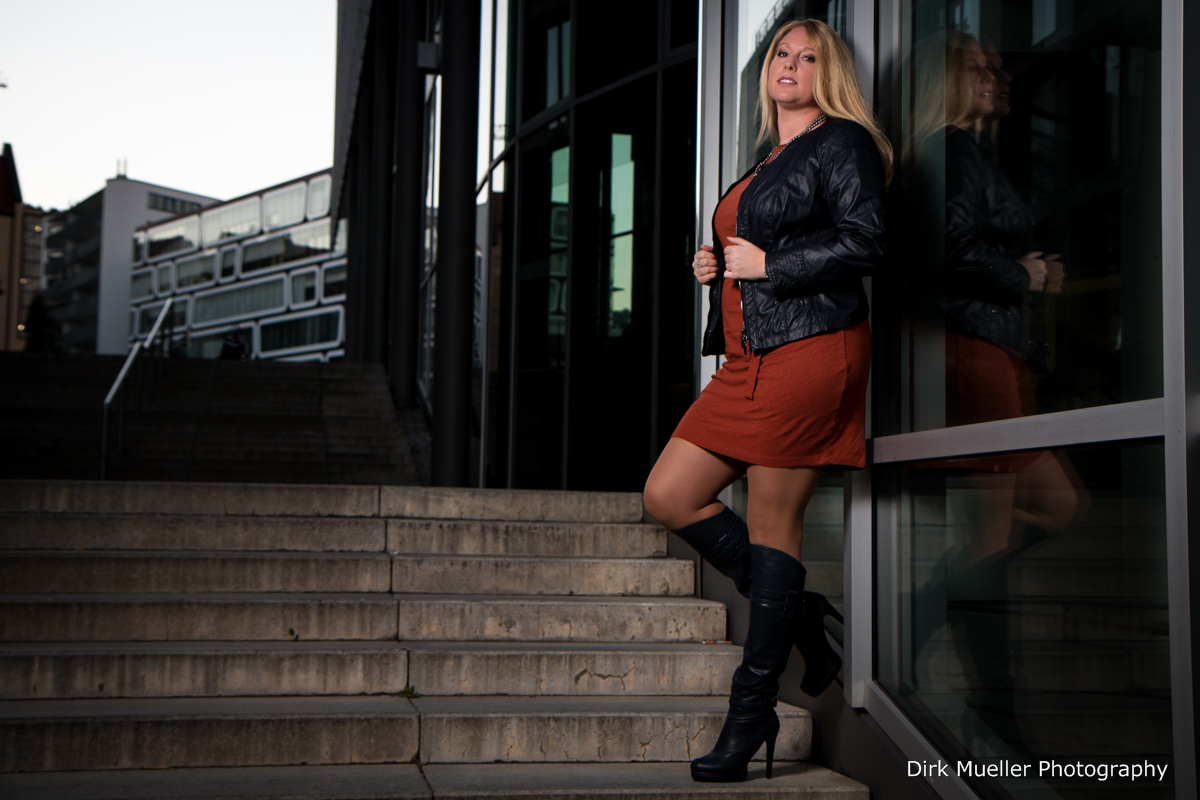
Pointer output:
684, 484
777, 500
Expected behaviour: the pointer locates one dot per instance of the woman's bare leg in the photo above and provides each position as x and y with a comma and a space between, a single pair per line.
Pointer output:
684, 484
775, 510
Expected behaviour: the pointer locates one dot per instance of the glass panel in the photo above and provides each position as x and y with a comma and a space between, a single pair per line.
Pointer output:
318, 196
226, 222
1026, 615
541, 307
210, 346
283, 207
147, 315
505, 66
304, 287
195, 271
228, 263
339, 242
139, 246
757, 23
164, 279
1027, 217
632, 23
311, 331
685, 22
141, 285
547, 55
239, 301
611, 288
306, 242
174, 237
335, 282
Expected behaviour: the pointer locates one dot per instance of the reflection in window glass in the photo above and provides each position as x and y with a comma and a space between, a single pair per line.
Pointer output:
195, 271
1028, 212
339, 241
283, 207
304, 287
164, 279
238, 301
757, 23
228, 263
620, 263
227, 222
1024, 613
173, 237
312, 331
547, 55
306, 242
334, 283
318, 196
141, 285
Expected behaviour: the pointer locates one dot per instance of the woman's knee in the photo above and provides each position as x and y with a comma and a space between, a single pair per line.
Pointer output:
659, 500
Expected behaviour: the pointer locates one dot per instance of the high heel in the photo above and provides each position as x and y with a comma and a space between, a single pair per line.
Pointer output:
723, 541
821, 663
775, 599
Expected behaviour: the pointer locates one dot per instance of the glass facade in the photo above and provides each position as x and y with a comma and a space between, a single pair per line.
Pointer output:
194, 272
299, 333
240, 301
173, 237
300, 243
283, 207
231, 221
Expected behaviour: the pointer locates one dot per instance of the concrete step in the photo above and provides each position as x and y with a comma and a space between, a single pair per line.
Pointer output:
542, 575
197, 571
483, 730
559, 619
644, 781
189, 532
51, 735
522, 505
57, 671
154, 497
212, 617
471, 537
565, 668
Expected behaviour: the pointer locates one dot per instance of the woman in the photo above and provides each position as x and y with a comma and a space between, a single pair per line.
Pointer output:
788, 311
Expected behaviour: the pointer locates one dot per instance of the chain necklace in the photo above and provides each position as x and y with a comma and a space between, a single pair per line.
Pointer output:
763, 163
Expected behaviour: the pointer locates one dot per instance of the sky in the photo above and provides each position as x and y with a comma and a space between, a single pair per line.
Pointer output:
219, 98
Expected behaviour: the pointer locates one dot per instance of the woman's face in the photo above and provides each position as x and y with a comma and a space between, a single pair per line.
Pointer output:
1003, 80
793, 70
981, 82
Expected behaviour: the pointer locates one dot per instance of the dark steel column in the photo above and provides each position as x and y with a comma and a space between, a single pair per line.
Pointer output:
382, 42
453, 326
360, 276
407, 200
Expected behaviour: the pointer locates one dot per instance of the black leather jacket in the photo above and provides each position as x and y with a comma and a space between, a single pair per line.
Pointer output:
988, 228
817, 211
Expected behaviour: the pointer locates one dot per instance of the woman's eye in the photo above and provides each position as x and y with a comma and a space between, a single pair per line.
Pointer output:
809, 59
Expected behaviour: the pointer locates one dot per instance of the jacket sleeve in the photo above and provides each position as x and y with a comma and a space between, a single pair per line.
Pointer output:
852, 185
977, 266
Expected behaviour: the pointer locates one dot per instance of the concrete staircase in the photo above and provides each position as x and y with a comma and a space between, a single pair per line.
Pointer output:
163, 640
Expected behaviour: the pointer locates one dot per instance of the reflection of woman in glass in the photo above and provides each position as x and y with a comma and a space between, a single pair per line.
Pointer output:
990, 267
789, 313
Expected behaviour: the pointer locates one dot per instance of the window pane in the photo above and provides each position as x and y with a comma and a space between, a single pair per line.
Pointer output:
335, 282
228, 263
239, 301
306, 242
283, 207
141, 285
164, 279
174, 237
304, 287
195, 271
318, 196
319, 329
1026, 612
547, 56
633, 23
227, 222
139, 246
1027, 219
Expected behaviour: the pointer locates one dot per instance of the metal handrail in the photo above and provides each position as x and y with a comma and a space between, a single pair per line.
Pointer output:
138, 347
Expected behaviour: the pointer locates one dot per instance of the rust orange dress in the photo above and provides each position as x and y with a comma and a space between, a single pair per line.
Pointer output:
801, 404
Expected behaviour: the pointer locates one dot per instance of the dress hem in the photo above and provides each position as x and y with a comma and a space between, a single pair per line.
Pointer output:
776, 463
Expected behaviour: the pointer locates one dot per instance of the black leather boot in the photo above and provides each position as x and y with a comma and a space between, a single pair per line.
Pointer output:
778, 584
821, 663
724, 542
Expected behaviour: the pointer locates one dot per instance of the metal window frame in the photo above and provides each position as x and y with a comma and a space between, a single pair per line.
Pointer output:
315, 271
327, 178
325, 270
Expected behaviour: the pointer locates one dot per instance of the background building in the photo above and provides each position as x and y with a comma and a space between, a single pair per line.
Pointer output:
86, 272
266, 265
20, 254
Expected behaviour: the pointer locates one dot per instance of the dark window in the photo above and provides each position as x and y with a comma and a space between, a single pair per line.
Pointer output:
616, 38
546, 54
171, 205
306, 242
335, 282
228, 263
685, 22
303, 332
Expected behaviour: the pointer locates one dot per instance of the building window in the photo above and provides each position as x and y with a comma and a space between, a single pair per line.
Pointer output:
318, 196
141, 285
300, 243
333, 283
171, 205
228, 263
304, 288
240, 300
195, 271
164, 280
314, 330
231, 221
283, 207
173, 237
139, 246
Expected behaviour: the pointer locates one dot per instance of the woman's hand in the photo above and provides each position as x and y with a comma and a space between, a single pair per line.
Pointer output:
1035, 265
704, 265
744, 261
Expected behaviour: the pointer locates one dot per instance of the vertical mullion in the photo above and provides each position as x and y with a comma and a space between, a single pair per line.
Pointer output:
656, 262
568, 284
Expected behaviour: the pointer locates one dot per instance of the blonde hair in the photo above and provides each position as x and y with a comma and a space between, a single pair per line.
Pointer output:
944, 96
835, 87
